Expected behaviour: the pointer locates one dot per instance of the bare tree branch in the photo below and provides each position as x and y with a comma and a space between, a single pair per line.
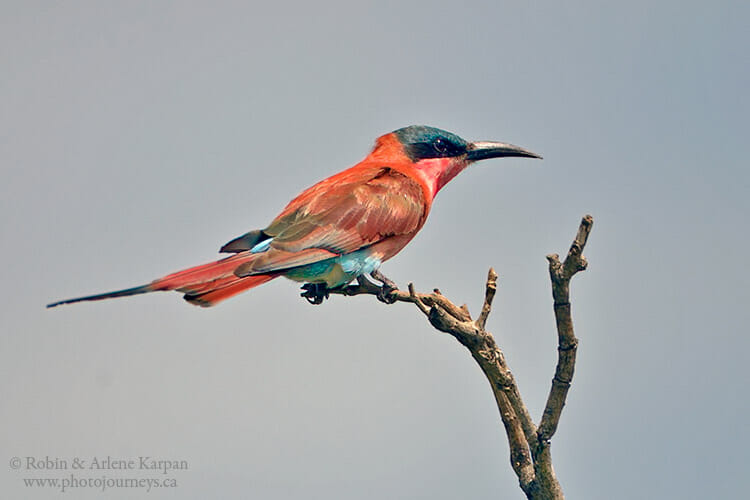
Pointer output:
489, 295
560, 275
429, 299
529, 446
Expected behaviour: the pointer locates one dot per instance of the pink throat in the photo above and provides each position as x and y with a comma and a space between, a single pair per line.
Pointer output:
437, 172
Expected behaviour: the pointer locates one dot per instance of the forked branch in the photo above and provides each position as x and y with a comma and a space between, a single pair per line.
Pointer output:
529, 444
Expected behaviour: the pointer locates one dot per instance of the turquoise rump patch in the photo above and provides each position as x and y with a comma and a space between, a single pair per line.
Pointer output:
336, 271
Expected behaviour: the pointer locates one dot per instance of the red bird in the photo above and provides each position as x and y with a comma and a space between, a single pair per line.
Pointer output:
341, 228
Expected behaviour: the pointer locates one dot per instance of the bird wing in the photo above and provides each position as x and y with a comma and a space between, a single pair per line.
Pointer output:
339, 215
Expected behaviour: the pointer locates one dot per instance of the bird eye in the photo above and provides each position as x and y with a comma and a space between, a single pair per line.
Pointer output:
440, 145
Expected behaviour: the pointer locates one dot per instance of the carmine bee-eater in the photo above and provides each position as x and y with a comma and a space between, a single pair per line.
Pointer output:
343, 227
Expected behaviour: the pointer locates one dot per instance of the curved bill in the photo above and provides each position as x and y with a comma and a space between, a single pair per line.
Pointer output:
483, 150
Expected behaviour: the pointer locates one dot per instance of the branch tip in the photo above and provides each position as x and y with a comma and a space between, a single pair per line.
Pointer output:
489, 295
417, 301
492, 275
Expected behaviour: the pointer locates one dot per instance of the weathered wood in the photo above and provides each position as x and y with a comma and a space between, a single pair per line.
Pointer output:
529, 445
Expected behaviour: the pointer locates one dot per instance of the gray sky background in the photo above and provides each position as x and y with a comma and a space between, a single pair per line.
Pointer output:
137, 137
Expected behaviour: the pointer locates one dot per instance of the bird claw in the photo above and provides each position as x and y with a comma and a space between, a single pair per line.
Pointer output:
386, 289
384, 294
315, 293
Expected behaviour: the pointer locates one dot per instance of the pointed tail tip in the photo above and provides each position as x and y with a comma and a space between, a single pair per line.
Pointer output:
67, 301
101, 296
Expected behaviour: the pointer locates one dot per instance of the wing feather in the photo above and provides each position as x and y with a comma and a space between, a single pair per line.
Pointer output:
340, 215
352, 215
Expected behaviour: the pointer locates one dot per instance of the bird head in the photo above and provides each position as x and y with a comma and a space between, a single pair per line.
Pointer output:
437, 156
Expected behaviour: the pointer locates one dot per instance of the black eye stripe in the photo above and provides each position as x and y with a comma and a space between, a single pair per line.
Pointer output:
435, 149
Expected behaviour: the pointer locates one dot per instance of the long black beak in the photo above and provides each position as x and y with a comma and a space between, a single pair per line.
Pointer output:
484, 149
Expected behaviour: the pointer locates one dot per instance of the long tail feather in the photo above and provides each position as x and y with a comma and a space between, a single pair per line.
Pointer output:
108, 295
203, 285
201, 274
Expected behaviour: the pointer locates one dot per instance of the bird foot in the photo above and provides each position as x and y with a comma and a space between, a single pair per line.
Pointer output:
386, 289
384, 295
315, 293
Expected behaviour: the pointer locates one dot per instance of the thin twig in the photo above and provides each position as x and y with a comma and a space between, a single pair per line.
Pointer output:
489, 294
560, 275
429, 299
